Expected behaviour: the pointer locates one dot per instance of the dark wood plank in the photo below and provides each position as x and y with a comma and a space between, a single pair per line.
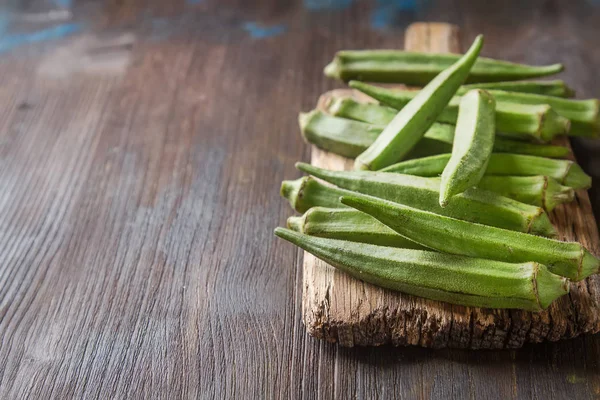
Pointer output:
137, 259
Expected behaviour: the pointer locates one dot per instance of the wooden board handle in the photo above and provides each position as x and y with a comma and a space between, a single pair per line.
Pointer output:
432, 38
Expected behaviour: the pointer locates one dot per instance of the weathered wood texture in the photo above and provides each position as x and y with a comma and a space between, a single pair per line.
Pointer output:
140, 190
342, 309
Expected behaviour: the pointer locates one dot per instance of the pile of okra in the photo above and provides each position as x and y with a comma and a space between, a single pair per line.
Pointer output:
452, 183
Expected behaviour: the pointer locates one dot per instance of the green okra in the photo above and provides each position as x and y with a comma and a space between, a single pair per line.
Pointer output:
450, 235
541, 191
338, 135
371, 113
583, 114
473, 144
306, 192
348, 224
418, 69
473, 205
349, 138
555, 88
410, 124
526, 121
566, 172
437, 276
375, 114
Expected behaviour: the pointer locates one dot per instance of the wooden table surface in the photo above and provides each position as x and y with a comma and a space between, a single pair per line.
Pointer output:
142, 144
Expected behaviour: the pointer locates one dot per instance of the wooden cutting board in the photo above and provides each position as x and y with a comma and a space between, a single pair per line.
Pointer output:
339, 308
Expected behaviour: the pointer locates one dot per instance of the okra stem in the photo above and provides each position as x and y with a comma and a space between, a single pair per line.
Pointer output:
473, 205
444, 277
410, 124
348, 224
381, 115
555, 88
418, 69
450, 235
307, 192
527, 121
583, 114
566, 172
541, 191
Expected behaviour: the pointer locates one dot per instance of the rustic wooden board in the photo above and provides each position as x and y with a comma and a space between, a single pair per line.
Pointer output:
339, 308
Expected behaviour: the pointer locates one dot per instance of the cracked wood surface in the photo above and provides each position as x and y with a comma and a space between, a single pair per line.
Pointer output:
342, 309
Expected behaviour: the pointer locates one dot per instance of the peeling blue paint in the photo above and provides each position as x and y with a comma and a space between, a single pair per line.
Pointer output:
321, 5
386, 11
193, 2
257, 31
9, 42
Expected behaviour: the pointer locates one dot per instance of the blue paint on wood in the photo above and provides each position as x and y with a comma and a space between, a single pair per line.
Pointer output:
193, 2
63, 3
9, 42
386, 11
257, 31
322, 5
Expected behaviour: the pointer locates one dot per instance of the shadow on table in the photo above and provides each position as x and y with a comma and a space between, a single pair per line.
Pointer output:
579, 353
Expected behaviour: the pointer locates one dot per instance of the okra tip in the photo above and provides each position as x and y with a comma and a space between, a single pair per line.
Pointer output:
548, 286
360, 86
304, 167
551, 69
290, 236
445, 195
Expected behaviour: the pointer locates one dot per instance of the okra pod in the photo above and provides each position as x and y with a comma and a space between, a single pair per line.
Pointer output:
473, 144
338, 135
450, 235
566, 172
410, 124
539, 122
583, 114
473, 205
348, 224
371, 113
541, 191
437, 276
306, 192
555, 88
349, 138
418, 69
382, 115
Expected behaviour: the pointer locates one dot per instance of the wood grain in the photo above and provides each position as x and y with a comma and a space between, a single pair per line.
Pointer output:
137, 259
339, 308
